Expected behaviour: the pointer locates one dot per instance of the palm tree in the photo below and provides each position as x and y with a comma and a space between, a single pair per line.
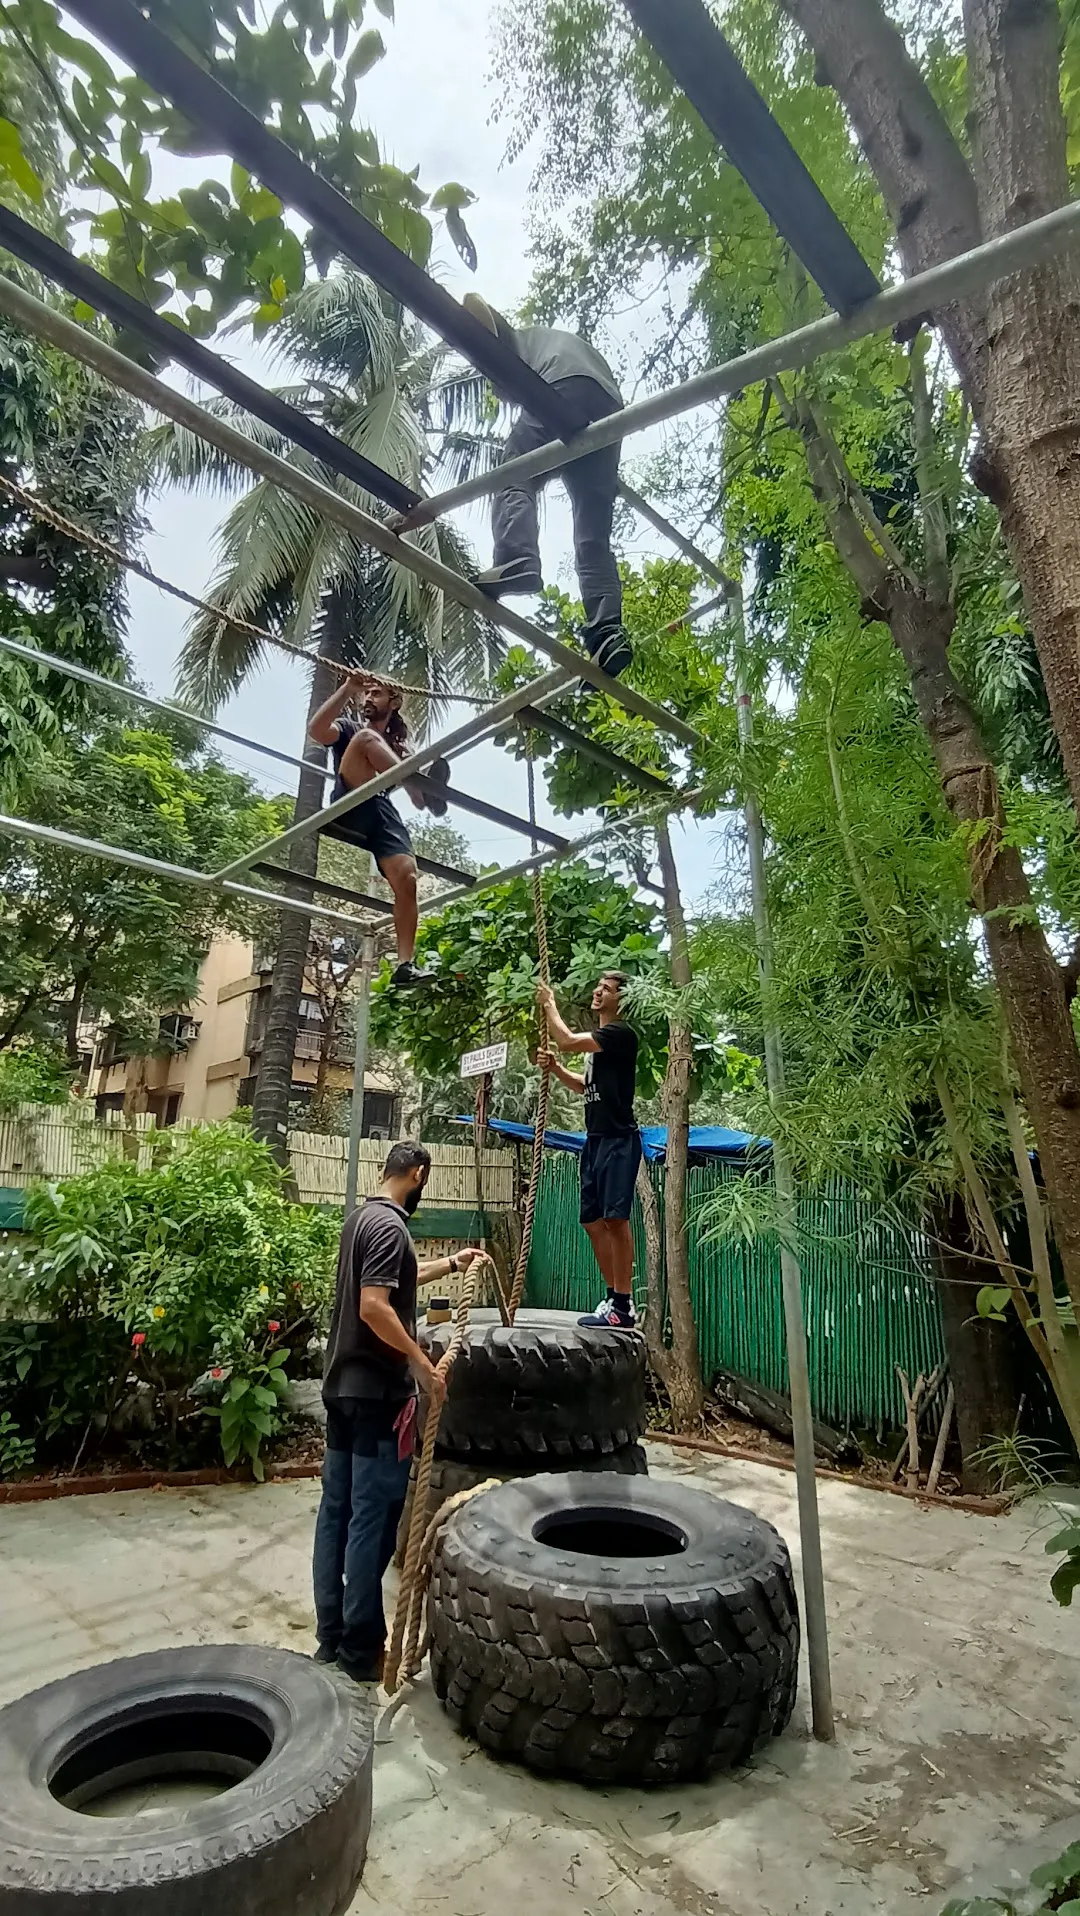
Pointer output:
371, 379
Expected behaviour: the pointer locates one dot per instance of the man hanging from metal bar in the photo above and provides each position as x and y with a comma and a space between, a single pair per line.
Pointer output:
585, 381
360, 750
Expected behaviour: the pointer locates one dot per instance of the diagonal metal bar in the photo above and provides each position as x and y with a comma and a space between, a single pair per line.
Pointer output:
54, 263
685, 545
160, 868
696, 53
909, 299
565, 735
204, 101
448, 872
46, 323
323, 888
480, 808
83, 673
473, 730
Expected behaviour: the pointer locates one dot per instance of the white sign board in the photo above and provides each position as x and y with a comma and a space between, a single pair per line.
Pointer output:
477, 1064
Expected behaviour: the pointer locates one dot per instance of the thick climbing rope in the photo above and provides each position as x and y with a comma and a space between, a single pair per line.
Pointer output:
401, 1657
540, 1126
104, 548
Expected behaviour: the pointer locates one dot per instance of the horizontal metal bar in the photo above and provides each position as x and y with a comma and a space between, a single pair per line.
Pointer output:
480, 808
203, 100
81, 672
909, 299
56, 264
46, 323
474, 729
696, 53
565, 735
637, 822
176, 874
324, 888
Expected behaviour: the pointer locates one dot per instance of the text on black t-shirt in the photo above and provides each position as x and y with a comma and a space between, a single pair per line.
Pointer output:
609, 1082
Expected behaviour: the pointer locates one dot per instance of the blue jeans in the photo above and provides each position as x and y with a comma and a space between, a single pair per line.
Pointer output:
362, 1500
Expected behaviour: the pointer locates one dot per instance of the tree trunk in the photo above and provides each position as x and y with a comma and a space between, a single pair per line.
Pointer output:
1016, 347
273, 1085
981, 1360
1026, 973
659, 1354
136, 1099
683, 1381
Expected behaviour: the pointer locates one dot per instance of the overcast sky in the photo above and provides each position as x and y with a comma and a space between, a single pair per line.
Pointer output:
429, 103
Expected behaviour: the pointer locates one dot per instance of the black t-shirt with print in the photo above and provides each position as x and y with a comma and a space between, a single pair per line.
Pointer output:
609, 1083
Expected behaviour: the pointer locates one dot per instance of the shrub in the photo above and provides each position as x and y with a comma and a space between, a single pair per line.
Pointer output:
186, 1288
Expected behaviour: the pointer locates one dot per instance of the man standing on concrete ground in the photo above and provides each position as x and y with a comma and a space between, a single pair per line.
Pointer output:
612, 1153
373, 1368
586, 384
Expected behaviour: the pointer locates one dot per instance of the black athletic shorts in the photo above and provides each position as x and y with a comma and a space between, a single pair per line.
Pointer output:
609, 1168
376, 826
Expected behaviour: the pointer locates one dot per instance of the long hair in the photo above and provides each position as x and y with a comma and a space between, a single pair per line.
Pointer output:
396, 732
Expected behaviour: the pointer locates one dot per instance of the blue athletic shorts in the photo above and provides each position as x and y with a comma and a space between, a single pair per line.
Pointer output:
609, 1168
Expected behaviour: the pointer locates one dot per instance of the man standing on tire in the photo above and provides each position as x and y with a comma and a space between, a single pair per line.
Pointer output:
612, 1153
372, 1370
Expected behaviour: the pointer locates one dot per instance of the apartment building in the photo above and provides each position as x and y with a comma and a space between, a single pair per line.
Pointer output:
214, 1047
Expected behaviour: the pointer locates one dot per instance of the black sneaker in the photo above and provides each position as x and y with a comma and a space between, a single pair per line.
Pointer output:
611, 652
324, 1654
361, 1673
408, 976
517, 575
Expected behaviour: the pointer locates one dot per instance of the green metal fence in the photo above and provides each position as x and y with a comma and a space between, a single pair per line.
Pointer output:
870, 1301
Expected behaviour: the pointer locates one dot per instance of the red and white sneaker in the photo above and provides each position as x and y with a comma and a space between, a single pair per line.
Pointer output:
612, 1315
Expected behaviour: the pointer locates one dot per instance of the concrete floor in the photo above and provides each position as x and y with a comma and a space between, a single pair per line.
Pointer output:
957, 1683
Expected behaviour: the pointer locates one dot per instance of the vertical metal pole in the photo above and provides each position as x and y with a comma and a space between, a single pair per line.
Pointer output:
817, 1630
368, 961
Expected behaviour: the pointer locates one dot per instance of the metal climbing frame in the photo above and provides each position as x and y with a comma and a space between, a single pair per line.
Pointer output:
729, 109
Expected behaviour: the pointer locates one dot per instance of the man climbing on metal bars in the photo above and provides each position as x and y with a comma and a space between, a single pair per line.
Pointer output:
361, 749
612, 1153
585, 381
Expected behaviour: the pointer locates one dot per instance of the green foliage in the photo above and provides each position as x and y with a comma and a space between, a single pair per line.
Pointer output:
485, 948
1057, 1887
188, 1285
93, 936
1067, 1575
16, 1451
203, 253
75, 443
33, 1074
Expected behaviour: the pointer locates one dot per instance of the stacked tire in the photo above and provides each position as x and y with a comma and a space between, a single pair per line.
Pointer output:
541, 1395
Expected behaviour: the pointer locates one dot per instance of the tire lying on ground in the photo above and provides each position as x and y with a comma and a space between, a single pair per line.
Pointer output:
449, 1475
286, 1741
613, 1629
540, 1388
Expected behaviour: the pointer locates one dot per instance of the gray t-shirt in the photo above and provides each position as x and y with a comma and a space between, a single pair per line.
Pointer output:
558, 355
376, 1250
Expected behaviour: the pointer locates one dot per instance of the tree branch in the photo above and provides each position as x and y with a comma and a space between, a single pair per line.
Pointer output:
927, 474
923, 175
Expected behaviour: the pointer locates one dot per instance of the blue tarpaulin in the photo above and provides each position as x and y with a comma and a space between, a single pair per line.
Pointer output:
706, 1140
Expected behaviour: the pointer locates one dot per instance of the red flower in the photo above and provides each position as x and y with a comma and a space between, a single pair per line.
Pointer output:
273, 1325
217, 1372
139, 1339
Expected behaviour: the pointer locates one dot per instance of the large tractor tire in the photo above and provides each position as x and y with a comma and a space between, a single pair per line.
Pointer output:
543, 1388
613, 1629
286, 1836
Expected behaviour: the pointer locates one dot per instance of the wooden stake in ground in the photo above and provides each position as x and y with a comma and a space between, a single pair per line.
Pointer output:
942, 1440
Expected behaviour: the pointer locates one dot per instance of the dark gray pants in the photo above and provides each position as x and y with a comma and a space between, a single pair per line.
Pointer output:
592, 484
